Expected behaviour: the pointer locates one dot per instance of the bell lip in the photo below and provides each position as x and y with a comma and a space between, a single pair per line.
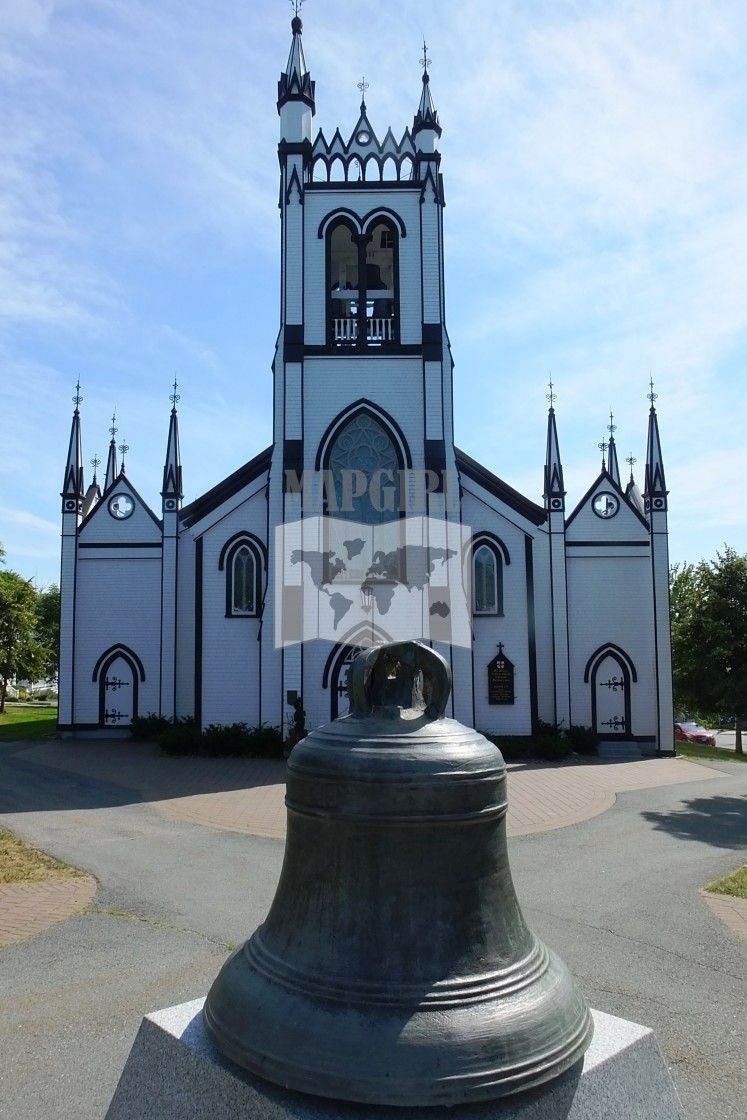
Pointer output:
459, 1089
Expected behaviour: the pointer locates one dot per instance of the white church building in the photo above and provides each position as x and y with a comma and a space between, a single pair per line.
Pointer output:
362, 522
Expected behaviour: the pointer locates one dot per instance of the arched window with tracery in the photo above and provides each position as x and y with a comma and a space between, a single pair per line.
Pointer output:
362, 284
487, 576
363, 460
242, 559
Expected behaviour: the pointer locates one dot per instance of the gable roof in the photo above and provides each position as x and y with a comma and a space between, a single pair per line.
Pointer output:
499, 489
226, 489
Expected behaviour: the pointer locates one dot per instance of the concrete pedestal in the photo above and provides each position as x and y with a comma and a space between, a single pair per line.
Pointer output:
174, 1072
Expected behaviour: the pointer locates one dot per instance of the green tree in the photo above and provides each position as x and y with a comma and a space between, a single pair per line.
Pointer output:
21, 652
709, 636
48, 627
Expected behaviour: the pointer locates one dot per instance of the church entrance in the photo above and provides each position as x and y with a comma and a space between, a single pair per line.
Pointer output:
611, 696
119, 672
339, 704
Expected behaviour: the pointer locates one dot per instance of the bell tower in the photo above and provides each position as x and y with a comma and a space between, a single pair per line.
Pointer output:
362, 369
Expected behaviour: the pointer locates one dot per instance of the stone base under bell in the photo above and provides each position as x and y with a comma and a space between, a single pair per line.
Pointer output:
174, 1071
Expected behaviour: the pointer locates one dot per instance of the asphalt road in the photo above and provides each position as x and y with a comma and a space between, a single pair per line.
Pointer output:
617, 896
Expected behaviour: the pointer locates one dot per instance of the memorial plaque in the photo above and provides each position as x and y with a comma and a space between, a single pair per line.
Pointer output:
500, 679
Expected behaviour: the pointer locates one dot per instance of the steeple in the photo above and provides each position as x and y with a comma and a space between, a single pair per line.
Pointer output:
632, 492
613, 467
655, 491
426, 116
72, 487
296, 104
554, 489
172, 493
93, 493
112, 471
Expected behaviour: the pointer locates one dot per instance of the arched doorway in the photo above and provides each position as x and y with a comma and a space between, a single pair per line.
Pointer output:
119, 672
610, 674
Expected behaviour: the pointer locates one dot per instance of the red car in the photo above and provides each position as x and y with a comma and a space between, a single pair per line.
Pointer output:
691, 732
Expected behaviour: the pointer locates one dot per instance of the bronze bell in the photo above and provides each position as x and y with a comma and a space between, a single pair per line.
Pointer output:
395, 966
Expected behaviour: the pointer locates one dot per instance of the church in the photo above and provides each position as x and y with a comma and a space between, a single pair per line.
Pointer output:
362, 522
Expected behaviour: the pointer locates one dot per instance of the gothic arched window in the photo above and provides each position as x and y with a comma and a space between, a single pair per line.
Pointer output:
362, 284
242, 559
487, 579
364, 459
364, 470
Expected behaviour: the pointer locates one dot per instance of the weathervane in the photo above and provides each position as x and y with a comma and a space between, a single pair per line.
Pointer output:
363, 86
95, 463
114, 429
651, 395
603, 448
175, 396
551, 396
611, 428
425, 61
77, 398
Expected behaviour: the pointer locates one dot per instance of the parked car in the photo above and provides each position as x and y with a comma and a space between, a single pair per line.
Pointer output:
688, 731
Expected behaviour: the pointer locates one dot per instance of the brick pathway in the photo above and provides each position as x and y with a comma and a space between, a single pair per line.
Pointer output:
731, 911
247, 795
29, 908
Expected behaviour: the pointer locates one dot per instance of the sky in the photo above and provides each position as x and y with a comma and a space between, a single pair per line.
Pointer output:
595, 168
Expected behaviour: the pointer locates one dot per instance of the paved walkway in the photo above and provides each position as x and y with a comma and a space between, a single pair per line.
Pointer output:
247, 795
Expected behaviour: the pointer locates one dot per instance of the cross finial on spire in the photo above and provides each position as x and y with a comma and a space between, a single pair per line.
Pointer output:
552, 396
603, 448
114, 429
77, 398
425, 61
631, 461
95, 463
651, 395
175, 396
611, 427
363, 86
123, 449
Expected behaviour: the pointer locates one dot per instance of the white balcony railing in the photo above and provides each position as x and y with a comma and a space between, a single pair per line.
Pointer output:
377, 330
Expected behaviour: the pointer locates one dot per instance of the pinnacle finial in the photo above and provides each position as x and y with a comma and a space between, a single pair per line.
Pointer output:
296, 5
611, 427
631, 461
363, 86
77, 398
552, 396
114, 429
651, 395
175, 396
123, 449
603, 448
425, 61
95, 463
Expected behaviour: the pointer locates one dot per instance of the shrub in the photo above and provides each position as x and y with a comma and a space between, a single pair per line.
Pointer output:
584, 740
150, 726
183, 737
551, 748
512, 747
221, 740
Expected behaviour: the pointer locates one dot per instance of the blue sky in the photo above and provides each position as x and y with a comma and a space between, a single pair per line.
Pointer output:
595, 164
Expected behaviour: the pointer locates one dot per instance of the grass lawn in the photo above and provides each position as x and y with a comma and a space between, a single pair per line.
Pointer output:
734, 884
713, 754
27, 721
20, 863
